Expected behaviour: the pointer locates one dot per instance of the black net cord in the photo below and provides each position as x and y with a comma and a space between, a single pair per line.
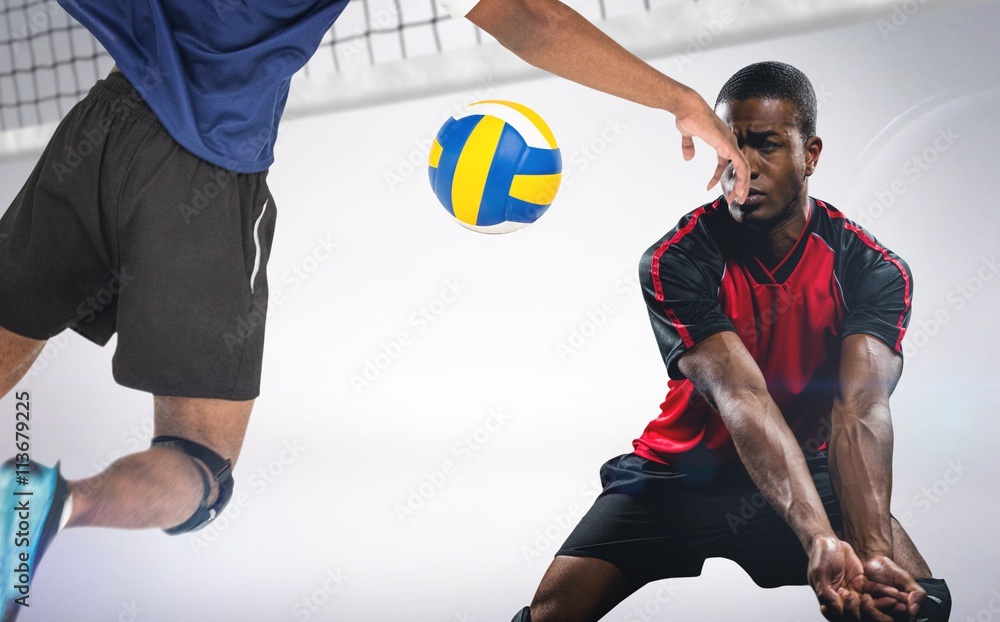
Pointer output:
36, 90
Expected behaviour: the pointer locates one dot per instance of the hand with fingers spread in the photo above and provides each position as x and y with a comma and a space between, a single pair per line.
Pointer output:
700, 121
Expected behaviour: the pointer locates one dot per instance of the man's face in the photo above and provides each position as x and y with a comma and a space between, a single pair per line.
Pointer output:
780, 158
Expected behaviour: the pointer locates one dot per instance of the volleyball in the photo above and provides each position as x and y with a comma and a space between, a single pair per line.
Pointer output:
495, 166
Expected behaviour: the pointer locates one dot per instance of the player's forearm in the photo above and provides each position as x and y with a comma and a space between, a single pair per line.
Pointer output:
543, 31
729, 378
774, 460
861, 470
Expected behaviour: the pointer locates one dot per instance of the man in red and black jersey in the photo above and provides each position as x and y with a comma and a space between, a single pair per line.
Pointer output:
780, 323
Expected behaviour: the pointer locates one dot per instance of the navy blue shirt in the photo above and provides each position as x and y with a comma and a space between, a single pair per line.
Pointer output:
215, 72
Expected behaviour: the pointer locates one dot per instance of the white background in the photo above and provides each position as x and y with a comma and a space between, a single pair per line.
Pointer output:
477, 547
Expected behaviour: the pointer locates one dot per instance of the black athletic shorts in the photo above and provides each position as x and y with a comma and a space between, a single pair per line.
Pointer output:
654, 523
120, 229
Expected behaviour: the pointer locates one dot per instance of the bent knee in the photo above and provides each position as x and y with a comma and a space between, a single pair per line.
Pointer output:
215, 474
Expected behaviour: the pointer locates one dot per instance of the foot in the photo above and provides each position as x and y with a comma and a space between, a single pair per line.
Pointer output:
32, 498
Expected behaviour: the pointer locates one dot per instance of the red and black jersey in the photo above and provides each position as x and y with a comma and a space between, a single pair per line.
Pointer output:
700, 279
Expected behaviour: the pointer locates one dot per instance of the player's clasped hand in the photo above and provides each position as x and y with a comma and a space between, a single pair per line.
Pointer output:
894, 593
699, 120
851, 591
837, 577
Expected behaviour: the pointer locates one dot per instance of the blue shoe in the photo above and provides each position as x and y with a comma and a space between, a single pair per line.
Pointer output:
32, 498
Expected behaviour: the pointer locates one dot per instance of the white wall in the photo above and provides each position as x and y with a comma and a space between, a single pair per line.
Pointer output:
477, 547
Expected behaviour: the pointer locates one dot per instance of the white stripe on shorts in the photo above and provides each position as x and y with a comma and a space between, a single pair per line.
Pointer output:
256, 244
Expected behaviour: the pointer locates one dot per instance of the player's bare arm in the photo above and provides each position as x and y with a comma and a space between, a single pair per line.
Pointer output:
725, 373
552, 36
861, 444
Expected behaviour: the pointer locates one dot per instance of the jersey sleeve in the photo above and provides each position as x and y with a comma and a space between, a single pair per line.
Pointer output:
878, 289
458, 8
680, 278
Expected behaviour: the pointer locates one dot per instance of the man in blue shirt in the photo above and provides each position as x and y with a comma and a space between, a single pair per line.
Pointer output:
148, 215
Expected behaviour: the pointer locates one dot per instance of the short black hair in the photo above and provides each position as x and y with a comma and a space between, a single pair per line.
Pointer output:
774, 80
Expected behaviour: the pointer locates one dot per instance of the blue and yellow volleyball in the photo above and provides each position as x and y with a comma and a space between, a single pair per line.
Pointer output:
495, 166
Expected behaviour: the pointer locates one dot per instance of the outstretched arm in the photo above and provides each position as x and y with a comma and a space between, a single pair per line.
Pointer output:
725, 373
552, 36
861, 460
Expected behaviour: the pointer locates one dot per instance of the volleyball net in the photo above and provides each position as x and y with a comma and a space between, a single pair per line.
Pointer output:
382, 50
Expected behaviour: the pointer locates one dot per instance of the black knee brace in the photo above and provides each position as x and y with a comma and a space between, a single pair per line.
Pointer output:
222, 472
937, 605
523, 616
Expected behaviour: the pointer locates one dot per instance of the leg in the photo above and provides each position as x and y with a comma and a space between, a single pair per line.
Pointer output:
161, 487
905, 553
190, 320
579, 589
57, 273
937, 605
633, 534
17, 354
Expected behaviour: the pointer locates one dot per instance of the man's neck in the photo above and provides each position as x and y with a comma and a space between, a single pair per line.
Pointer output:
771, 243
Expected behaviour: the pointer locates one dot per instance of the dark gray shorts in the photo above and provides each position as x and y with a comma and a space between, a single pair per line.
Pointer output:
120, 229
653, 522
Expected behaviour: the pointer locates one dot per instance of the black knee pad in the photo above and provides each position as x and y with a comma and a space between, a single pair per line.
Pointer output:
523, 616
937, 605
222, 472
